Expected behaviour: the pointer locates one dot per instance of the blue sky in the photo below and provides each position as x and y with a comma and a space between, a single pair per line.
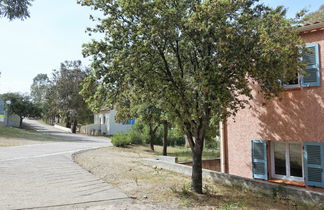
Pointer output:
55, 33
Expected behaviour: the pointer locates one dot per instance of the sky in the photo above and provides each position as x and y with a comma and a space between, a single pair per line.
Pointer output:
55, 32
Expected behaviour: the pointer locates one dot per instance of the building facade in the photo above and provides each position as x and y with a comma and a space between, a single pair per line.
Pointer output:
105, 124
283, 139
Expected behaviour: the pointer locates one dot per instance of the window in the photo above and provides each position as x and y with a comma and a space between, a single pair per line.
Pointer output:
104, 120
287, 161
312, 71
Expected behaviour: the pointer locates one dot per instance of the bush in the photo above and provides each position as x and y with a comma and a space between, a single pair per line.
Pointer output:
175, 138
136, 137
120, 140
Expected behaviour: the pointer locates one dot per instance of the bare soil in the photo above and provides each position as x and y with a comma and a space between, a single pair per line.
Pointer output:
151, 186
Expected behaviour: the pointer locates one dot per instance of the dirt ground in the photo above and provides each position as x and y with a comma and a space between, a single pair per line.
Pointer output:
153, 186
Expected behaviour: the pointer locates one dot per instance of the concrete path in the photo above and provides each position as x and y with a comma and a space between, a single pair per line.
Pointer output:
44, 176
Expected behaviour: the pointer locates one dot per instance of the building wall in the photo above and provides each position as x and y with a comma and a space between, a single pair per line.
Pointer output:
114, 127
297, 117
13, 121
109, 126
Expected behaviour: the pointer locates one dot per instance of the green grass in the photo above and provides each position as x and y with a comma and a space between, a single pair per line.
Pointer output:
182, 153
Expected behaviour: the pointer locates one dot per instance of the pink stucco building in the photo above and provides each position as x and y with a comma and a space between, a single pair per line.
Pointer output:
283, 139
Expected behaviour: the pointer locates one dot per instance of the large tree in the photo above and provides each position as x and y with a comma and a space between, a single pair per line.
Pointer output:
198, 57
39, 88
65, 93
12, 9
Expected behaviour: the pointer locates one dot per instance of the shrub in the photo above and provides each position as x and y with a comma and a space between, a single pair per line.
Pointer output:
136, 136
120, 140
175, 138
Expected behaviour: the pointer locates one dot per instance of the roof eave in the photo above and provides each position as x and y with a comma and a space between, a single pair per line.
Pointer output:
311, 27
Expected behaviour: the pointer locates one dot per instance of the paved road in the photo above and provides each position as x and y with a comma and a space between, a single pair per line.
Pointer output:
44, 176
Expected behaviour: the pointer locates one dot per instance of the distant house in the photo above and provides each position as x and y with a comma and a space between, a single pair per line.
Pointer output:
283, 140
5, 119
105, 124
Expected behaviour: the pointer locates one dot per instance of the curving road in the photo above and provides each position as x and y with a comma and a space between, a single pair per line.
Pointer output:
44, 176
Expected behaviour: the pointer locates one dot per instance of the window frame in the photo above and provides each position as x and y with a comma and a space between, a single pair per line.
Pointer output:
287, 157
301, 83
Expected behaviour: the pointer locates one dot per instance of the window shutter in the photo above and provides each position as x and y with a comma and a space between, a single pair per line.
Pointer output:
259, 159
313, 155
311, 59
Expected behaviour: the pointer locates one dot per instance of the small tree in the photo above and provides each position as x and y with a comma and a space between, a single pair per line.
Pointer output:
22, 106
197, 57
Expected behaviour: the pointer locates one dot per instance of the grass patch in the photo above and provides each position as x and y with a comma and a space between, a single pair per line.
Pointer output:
182, 153
16, 136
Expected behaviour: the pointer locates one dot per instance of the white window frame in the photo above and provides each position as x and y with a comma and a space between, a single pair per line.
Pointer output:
294, 85
287, 176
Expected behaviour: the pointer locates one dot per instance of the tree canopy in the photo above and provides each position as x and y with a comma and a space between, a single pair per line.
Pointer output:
39, 88
21, 105
197, 58
13, 9
315, 16
59, 96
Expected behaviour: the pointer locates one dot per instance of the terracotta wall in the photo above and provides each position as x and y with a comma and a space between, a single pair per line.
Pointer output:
298, 117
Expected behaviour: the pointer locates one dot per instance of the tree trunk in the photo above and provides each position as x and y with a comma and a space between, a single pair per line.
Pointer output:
165, 137
20, 122
74, 128
152, 137
197, 167
67, 122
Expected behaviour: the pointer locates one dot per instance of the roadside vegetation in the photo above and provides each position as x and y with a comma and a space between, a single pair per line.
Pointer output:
139, 137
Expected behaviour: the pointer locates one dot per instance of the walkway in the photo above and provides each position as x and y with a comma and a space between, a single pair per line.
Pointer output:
44, 175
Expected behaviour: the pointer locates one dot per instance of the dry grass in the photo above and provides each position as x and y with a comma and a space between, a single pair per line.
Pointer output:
121, 168
16, 137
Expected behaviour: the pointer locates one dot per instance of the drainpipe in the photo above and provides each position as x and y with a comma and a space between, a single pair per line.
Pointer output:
223, 146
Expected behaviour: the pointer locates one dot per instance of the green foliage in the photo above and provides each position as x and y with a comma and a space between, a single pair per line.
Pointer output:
315, 16
39, 88
60, 96
136, 137
120, 140
12, 9
175, 139
21, 105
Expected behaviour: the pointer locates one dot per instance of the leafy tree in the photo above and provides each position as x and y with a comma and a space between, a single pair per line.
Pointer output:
51, 111
198, 58
12, 9
315, 16
22, 106
39, 88
67, 86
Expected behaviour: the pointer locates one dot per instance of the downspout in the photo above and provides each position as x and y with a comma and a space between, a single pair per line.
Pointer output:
223, 146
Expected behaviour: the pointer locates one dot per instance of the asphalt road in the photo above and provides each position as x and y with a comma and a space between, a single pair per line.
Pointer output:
44, 176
